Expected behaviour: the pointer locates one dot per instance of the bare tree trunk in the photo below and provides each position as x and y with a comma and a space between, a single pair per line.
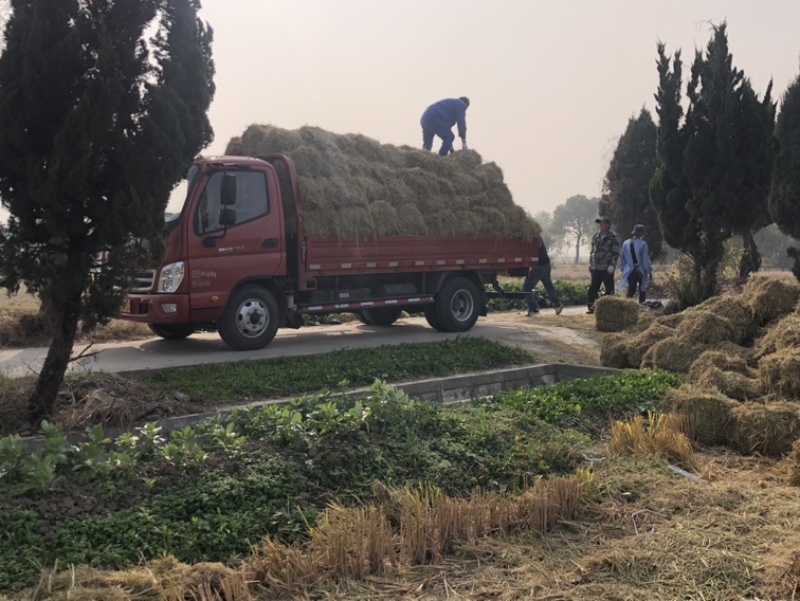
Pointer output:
751, 258
577, 251
64, 318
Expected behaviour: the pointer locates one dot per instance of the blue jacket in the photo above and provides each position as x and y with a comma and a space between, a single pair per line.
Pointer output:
450, 111
643, 265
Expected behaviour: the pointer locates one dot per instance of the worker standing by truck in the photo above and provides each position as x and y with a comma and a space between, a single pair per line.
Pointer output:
439, 119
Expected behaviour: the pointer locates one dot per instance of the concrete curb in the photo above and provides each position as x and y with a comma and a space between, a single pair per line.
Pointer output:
453, 389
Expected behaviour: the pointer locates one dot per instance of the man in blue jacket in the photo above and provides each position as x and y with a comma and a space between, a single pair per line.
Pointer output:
637, 270
439, 119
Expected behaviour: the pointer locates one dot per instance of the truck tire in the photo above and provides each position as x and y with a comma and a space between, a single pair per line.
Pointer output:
457, 305
380, 316
430, 317
172, 332
251, 319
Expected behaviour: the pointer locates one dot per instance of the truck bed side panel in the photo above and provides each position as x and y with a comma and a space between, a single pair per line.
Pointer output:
331, 256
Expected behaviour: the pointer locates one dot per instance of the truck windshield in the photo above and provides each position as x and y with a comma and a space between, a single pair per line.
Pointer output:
179, 197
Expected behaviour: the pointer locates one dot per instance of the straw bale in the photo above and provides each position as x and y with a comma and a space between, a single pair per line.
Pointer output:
794, 464
721, 359
732, 384
341, 177
770, 297
639, 345
613, 313
708, 411
673, 354
705, 327
614, 351
736, 310
671, 321
780, 374
782, 335
769, 429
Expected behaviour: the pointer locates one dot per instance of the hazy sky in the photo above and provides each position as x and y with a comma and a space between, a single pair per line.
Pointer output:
552, 83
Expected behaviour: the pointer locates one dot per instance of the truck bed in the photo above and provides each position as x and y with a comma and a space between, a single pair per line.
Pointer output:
331, 256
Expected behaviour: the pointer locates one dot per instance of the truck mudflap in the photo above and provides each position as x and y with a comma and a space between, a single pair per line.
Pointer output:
359, 305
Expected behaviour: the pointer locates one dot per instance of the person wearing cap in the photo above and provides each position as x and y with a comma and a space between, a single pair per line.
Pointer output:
602, 261
439, 119
541, 273
635, 264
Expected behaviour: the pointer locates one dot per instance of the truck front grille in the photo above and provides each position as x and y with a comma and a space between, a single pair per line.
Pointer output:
143, 281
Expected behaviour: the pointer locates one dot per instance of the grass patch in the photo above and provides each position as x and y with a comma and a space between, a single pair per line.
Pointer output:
353, 367
209, 493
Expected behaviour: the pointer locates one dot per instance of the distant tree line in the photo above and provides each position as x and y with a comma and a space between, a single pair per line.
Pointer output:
721, 171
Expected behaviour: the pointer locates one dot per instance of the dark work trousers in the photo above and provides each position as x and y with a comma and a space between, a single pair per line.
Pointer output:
634, 283
434, 126
599, 276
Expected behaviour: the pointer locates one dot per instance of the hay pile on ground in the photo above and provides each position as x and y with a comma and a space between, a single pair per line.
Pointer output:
709, 412
614, 351
737, 313
780, 374
614, 314
726, 361
794, 464
705, 327
355, 187
784, 335
769, 429
673, 354
769, 297
732, 384
638, 345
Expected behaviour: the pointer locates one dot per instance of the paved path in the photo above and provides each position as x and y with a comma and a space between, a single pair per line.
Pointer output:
208, 348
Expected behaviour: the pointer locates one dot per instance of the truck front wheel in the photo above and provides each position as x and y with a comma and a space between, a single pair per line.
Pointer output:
457, 305
251, 319
172, 332
380, 316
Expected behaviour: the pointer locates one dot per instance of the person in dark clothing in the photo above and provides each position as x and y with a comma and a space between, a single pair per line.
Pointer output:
541, 273
439, 119
602, 261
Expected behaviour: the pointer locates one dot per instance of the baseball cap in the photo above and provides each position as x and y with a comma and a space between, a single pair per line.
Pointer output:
602, 220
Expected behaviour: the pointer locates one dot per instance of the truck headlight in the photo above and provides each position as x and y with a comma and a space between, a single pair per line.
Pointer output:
171, 277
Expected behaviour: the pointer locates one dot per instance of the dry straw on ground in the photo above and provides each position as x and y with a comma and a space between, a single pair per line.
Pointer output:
780, 374
614, 314
794, 464
705, 327
406, 528
735, 310
664, 435
355, 187
769, 297
708, 412
769, 429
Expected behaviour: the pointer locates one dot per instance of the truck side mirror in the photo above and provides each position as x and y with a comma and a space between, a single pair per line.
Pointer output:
227, 217
228, 191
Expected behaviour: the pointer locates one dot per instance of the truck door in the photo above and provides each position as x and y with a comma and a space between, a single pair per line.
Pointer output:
231, 243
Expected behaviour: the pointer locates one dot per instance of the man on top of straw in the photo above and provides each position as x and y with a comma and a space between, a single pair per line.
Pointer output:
439, 119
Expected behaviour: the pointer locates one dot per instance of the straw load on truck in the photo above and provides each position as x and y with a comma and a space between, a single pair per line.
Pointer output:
353, 187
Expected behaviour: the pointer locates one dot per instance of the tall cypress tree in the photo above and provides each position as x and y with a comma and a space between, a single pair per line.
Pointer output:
626, 189
97, 124
713, 168
784, 198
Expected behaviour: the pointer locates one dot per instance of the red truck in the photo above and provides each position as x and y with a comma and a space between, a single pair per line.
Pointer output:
238, 260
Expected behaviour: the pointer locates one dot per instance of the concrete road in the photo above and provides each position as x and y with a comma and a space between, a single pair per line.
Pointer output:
208, 348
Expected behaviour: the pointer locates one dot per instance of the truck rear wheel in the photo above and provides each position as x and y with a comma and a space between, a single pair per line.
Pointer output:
251, 319
457, 305
430, 317
172, 332
380, 316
